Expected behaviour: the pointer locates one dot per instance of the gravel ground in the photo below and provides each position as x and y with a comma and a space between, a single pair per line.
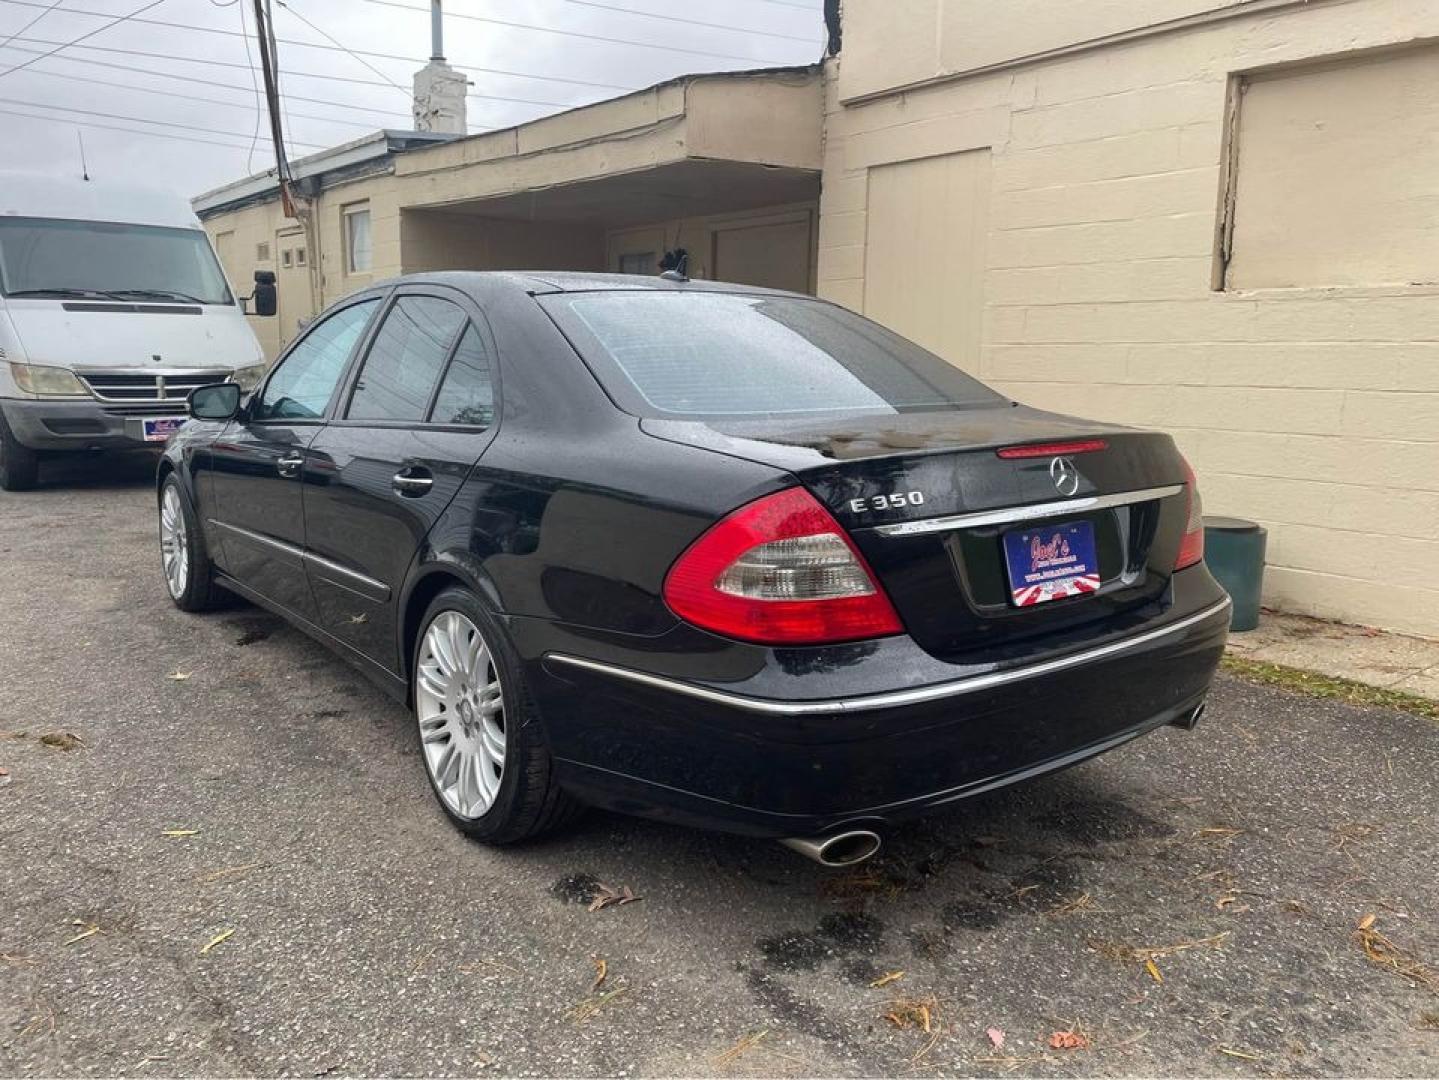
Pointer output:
366, 937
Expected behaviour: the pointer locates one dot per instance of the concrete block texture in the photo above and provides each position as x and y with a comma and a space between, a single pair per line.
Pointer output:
1304, 388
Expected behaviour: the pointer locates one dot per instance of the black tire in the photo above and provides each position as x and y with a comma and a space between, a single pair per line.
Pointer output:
199, 592
19, 465
528, 802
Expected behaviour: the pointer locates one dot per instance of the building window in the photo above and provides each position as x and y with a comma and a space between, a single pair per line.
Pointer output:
286, 258
358, 252
262, 251
1331, 172
299, 256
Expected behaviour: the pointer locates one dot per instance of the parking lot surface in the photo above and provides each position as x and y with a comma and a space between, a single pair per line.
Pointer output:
219, 855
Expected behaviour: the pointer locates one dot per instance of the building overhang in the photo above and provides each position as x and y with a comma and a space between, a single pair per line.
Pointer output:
701, 144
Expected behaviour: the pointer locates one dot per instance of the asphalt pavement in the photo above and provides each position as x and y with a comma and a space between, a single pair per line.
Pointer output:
219, 856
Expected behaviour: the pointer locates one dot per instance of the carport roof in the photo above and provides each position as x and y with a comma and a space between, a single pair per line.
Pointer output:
729, 140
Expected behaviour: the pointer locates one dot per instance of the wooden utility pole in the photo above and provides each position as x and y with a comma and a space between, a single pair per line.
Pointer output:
269, 67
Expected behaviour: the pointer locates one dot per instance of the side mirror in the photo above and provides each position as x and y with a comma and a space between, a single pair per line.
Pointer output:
265, 296
219, 401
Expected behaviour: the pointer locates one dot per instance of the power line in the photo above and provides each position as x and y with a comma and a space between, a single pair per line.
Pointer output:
135, 120
397, 86
32, 22
254, 85
187, 139
193, 98
338, 45
194, 81
113, 21
580, 34
325, 48
808, 40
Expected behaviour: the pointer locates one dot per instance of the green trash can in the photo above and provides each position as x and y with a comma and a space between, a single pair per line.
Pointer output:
1234, 552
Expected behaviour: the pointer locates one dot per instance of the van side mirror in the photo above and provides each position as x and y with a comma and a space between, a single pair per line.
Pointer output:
218, 401
264, 296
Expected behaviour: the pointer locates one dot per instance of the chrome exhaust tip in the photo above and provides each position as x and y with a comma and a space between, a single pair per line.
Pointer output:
846, 848
1190, 720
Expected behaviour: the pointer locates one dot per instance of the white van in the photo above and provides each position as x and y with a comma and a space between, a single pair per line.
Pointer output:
113, 308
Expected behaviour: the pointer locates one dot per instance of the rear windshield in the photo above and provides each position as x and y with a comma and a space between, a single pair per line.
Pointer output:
715, 355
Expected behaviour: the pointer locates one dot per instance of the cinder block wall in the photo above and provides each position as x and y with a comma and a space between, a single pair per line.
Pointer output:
1312, 409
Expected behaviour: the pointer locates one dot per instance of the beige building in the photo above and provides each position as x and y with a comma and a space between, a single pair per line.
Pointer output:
1217, 217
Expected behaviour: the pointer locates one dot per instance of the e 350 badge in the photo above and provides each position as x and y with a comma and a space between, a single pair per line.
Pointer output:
896, 501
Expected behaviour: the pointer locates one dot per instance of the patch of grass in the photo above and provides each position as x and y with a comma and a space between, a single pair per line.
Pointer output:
1329, 686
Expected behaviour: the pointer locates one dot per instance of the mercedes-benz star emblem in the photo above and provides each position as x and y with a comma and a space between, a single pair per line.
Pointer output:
1064, 475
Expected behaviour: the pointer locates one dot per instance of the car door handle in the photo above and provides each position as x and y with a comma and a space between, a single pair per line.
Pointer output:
289, 466
413, 482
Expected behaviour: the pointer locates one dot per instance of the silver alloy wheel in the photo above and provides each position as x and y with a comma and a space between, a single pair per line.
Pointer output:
174, 551
460, 706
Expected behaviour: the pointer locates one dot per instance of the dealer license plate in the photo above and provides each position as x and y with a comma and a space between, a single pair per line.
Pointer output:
1051, 563
161, 429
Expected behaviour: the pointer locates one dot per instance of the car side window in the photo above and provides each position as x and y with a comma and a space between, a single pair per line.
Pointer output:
405, 359
302, 384
467, 394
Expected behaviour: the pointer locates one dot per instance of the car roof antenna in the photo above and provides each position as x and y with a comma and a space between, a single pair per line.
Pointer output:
675, 265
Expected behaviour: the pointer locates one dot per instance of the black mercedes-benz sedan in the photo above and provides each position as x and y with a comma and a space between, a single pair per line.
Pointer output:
714, 554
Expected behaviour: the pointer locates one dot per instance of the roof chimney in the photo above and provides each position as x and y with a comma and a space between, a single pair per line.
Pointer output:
439, 89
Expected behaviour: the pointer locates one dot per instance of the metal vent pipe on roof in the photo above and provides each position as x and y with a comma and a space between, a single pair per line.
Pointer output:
437, 31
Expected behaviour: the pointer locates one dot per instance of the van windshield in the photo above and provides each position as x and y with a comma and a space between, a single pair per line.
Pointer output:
704, 356
55, 257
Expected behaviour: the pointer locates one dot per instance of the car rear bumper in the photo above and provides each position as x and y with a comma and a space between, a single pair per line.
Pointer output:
81, 424
706, 755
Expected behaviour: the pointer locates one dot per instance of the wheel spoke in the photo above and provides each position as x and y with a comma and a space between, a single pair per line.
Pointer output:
459, 708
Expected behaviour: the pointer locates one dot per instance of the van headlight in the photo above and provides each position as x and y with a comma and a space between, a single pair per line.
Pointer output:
47, 381
247, 378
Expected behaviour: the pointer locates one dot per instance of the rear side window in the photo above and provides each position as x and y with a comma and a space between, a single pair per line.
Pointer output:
405, 359
467, 394
713, 355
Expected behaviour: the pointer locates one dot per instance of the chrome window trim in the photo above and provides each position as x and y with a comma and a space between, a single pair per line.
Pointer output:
895, 698
1034, 512
353, 580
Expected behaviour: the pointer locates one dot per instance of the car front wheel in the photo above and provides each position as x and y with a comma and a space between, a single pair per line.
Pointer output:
182, 550
480, 734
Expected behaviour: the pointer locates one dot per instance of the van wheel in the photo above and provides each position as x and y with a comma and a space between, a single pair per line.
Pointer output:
19, 465
481, 737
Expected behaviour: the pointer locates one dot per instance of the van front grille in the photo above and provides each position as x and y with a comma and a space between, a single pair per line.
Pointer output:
159, 392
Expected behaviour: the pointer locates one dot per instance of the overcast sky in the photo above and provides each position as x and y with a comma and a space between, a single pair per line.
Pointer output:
105, 85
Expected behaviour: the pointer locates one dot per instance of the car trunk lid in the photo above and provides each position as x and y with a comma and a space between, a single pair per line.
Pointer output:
928, 499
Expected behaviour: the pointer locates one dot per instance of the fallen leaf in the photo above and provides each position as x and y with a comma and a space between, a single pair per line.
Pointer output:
91, 929
223, 935
885, 980
913, 1012
179, 832
996, 1037
61, 740
606, 895
1068, 1040
178, 676
1153, 969
1366, 922
602, 969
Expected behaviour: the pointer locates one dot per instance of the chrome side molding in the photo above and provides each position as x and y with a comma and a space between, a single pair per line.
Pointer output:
1034, 512
331, 571
920, 694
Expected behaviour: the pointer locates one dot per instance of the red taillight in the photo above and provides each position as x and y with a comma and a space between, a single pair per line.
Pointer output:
1053, 449
779, 571
1191, 548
